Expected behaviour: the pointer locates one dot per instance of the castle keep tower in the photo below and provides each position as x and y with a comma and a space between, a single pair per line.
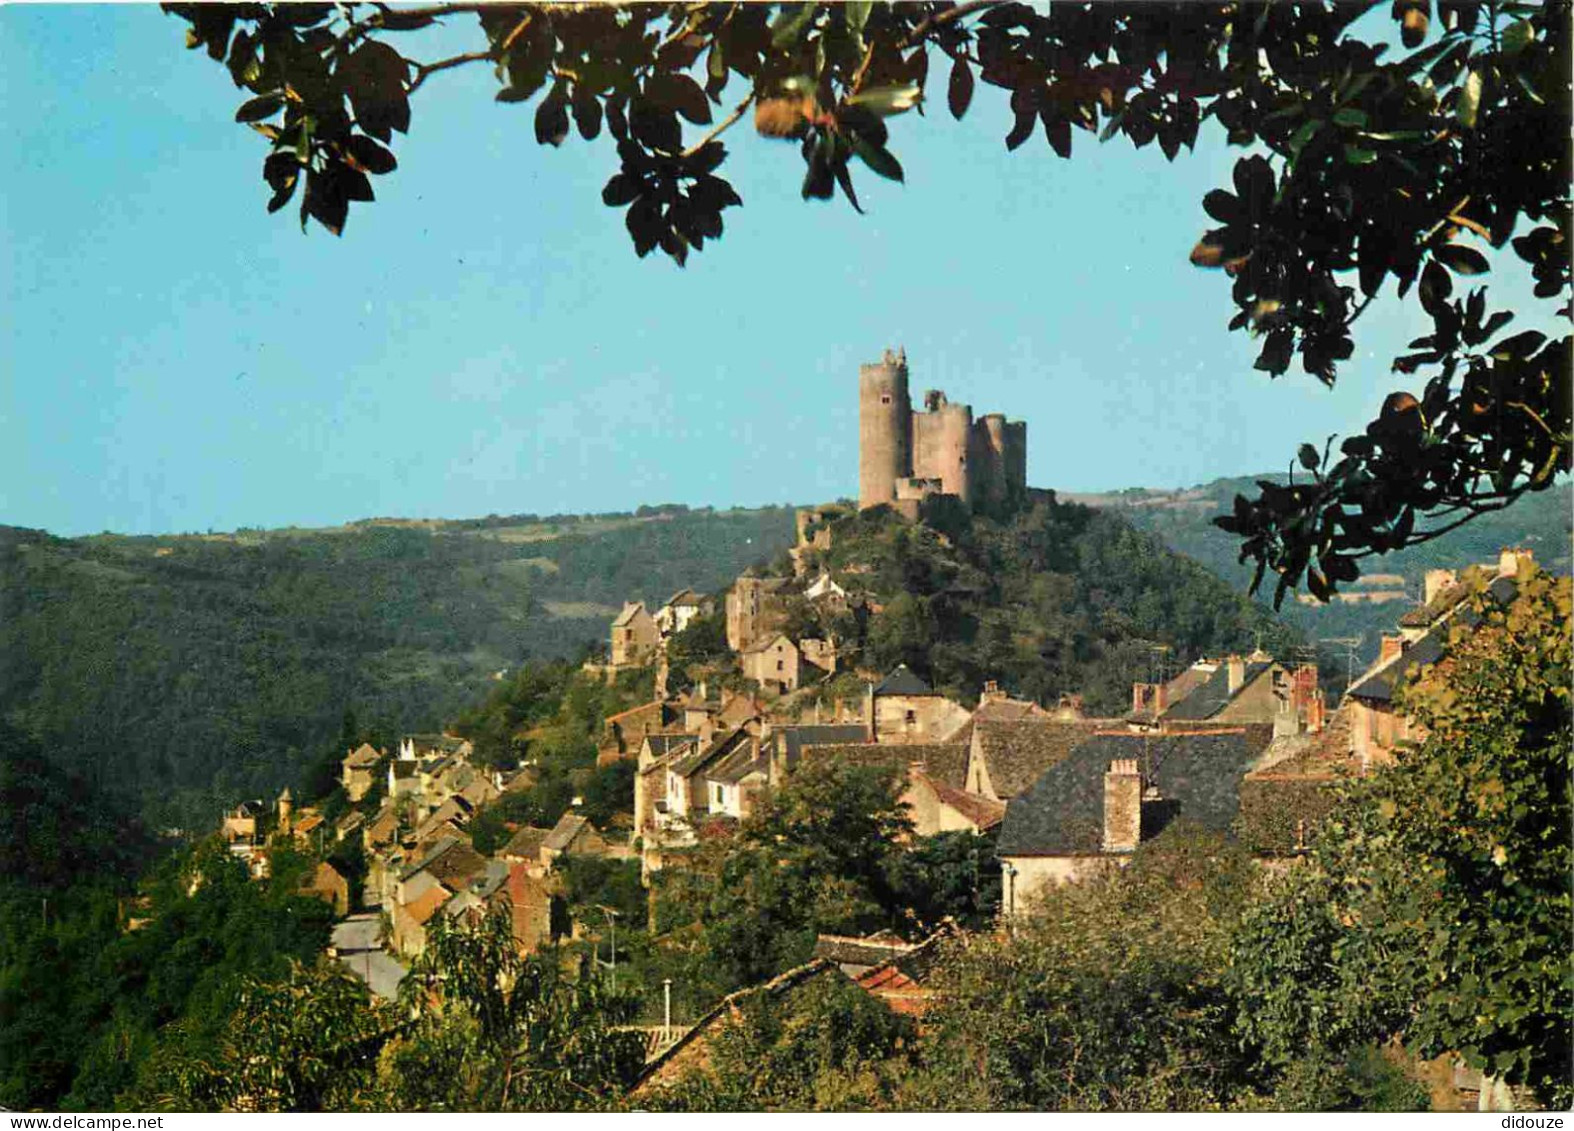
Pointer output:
885, 417
904, 457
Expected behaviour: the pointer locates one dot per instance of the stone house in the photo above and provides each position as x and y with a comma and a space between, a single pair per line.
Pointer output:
573, 835
326, 884
935, 807
773, 662
905, 709
1236, 690
1377, 726
634, 637
524, 847
733, 784
685, 798
681, 608
410, 920
358, 768
240, 823
623, 732
656, 753
530, 903
755, 609
1091, 810
818, 653
1007, 755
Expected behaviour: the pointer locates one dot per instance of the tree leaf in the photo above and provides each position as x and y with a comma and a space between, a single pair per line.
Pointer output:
1462, 260
959, 92
790, 23
1469, 104
1516, 37
256, 109
370, 156
878, 158
888, 100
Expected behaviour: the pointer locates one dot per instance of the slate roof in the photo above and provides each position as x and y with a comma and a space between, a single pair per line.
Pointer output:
863, 952
1017, 752
684, 597
891, 757
663, 744
362, 757
569, 826
458, 866
351, 821
945, 763
765, 644
696, 760
629, 611
738, 765
902, 681
1214, 695
790, 740
526, 843
1446, 598
1381, 684
1198, 777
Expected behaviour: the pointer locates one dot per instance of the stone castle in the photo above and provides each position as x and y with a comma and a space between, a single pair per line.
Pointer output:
905, 457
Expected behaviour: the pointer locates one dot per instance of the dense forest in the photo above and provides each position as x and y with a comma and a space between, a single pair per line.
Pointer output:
184, 672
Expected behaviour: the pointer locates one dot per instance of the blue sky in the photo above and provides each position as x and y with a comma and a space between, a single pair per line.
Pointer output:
483, 340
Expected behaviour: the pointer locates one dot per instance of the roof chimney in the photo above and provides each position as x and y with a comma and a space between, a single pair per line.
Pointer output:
1237, 673
1509, 561
1122, 806
1436, 581
1391, 647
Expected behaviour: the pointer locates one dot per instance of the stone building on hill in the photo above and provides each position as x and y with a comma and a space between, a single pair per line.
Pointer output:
905, 457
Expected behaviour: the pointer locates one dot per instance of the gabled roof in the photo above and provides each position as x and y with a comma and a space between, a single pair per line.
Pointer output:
791, 740
351, 821
307, 822
1212, 696
526, 843
869, 951
765, 644
1198, 777
1380, 684
902, 681
362, 757
697, 760
945, 763
631, 610
683, 597
459, 865
662, 745
427, 905
984, 813
1017, 752
742, 762
569, 826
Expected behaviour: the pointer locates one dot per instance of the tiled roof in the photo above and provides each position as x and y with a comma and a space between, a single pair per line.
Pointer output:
889, 757
630, 611
983, 812
425, 907
902, 681
458, 866
1198, 777
742, 762
1214, 695
765, 644
1446, 598
1016, 753
683, 597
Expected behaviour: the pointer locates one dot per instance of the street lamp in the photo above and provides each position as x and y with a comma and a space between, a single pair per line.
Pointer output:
1011, 897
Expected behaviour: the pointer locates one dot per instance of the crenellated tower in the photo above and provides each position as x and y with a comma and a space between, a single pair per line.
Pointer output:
885, 414
905, 457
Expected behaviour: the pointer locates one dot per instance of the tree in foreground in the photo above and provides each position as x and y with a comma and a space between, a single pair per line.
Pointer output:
1438, 911
1363, 168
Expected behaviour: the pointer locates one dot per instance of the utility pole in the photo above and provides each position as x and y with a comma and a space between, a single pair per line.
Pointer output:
666, 1008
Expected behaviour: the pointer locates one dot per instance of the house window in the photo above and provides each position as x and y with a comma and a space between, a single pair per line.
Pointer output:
885, 398
778, 665
718, 795
912, 718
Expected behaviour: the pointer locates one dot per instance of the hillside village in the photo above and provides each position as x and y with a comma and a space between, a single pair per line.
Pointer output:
1242, 745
